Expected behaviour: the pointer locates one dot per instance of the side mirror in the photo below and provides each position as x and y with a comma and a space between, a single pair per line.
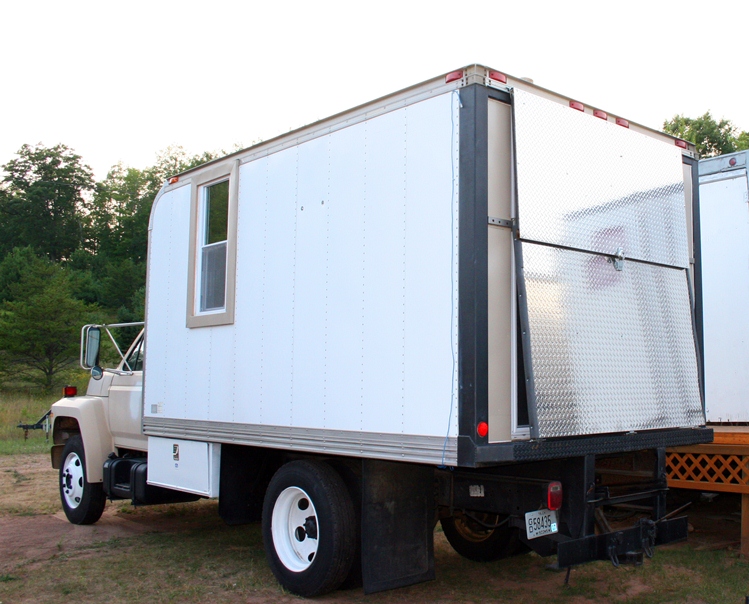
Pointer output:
91, 352
97, 372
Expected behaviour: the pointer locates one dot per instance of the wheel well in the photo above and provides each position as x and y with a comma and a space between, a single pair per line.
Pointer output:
63, 429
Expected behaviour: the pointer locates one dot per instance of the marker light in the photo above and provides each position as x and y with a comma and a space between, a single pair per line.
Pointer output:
602, 114
732, 162
554, 495
620, 121
500, 77
680, 143
453, 75
173, 179
69, 391
576, 105
482, 429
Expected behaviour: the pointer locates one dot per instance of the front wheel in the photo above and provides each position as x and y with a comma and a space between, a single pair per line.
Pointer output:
309, 528
82, 501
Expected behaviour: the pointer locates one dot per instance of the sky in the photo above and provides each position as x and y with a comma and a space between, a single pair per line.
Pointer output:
121, 81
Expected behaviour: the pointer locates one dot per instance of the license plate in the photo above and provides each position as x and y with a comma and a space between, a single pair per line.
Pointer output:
540, 523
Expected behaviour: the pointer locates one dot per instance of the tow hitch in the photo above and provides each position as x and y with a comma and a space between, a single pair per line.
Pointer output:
622, 547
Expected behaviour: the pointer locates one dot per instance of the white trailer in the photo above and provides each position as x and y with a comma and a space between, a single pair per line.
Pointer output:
724, 226
472, 299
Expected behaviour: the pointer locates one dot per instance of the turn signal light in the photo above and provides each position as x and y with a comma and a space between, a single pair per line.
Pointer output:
554, 495
69, 391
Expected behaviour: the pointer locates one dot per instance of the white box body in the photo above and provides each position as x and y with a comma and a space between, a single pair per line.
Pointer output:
724, 235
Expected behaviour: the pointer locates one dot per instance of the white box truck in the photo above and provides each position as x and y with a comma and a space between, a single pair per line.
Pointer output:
471, 301
724, 226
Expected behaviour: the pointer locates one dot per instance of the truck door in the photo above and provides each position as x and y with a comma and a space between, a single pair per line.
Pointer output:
602, 259
126, 401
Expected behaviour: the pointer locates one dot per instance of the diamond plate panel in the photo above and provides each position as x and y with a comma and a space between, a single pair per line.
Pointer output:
589, 184
611, 351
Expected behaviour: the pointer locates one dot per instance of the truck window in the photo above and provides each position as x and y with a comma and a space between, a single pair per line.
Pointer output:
213, 247
135, 358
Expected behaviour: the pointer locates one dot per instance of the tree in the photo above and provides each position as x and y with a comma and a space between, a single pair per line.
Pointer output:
40, 326
711, 137
43, 201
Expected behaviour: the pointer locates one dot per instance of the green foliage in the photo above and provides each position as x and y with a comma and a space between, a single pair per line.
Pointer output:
711, 137
72, 251
40, 326
43, 201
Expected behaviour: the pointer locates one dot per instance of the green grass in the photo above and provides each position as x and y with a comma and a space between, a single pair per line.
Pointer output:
26, 408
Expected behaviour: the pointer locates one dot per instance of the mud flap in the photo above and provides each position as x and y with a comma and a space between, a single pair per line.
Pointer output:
617, 545
397, 524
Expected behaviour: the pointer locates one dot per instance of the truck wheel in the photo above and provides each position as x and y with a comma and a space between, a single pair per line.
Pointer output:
82, 501
308, 528
476, 542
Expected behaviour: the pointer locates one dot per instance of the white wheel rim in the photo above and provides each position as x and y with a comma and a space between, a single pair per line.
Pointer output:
72, 480
295, 529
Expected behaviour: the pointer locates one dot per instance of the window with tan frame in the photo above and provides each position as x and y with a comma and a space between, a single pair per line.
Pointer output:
213, 236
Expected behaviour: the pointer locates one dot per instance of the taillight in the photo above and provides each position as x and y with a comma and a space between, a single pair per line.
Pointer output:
68, 391
554, 495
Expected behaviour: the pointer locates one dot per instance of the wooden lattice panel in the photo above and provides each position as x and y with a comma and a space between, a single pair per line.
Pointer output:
709, 468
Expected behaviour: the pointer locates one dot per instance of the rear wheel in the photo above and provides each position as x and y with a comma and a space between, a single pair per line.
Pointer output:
309, 528
479, 538
82, 501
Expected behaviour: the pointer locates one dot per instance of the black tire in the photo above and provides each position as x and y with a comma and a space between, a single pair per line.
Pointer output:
82, 501
476, 542
306, 496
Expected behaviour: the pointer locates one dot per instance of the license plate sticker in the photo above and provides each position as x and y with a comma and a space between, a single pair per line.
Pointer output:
540, 523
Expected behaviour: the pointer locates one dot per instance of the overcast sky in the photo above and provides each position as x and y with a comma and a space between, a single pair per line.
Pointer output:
119, 81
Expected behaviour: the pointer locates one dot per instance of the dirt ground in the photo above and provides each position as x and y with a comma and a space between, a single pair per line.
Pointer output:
34, 532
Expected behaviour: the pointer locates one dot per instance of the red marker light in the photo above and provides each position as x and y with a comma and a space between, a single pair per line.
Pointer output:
69, 391
482, 429
576, 105
732, 161
500, 77
602, 114
620, 121
173, 179
554, 495
680, 143
453, 75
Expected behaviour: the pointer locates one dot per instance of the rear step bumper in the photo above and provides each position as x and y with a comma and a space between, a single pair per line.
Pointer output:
622, 546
